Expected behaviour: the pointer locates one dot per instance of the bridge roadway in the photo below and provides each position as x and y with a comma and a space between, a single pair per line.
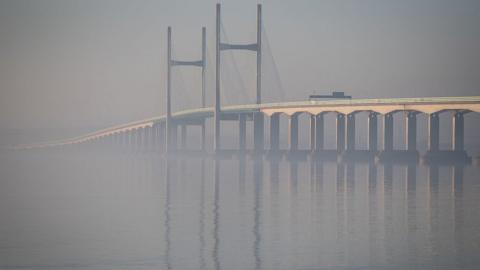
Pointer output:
345, 109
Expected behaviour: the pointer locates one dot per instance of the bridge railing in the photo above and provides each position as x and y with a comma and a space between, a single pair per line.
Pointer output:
252, 108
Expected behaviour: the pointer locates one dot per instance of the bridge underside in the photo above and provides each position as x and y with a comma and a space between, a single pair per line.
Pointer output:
151, 133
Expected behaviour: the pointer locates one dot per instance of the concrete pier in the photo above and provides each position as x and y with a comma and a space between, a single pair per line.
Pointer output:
350, 138
172, 136
148, 139
411, 131
275, 132
161, 137
138, 139
258, 132
293, 133
340, 139
312, 132
458, 131
433, 132
183, 136
388, 132
203, 136
154, 138
372, 132
242, 132
319, 132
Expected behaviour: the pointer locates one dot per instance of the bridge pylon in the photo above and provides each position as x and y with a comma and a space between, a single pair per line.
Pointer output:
258, 117
171, 126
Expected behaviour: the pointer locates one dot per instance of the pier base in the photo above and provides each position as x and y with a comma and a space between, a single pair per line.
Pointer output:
408, 156
447, 157
357, 155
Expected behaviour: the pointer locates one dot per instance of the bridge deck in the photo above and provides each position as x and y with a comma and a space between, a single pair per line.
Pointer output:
344, 106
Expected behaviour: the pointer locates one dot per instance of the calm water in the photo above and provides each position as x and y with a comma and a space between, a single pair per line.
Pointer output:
117, 211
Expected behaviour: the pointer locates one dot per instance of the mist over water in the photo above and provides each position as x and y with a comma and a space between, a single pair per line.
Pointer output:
69, 68
102, 210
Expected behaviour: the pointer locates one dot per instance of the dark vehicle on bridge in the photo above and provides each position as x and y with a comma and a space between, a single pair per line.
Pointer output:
334, 95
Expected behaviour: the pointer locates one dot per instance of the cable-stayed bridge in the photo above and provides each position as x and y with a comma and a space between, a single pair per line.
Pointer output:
162, 133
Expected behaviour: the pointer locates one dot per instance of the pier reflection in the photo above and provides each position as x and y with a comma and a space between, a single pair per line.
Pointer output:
170, 169
381, 211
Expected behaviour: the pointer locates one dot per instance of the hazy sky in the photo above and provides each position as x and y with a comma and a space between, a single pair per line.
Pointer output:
78, 63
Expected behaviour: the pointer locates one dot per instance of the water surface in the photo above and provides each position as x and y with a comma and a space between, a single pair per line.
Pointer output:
97, 210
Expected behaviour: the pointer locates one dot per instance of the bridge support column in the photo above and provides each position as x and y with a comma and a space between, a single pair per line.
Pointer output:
161, 137
388, 132
127, 140
458, 132
184, 136
293, 132
151, 138
372, 132
411, 131
340, 132
123, 139
216, 135
148, 139
139, 139
172, 131
169, 125
113, 141
258, 131
120, 141
319, 132
217, 116
258, 118
312, 132
203, 136
162, 134
143, 139
133, 140
242, 132
350, 138
275, 132
433, 132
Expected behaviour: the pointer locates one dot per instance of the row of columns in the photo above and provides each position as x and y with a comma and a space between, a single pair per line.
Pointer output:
345, 132
155, 137
150, 138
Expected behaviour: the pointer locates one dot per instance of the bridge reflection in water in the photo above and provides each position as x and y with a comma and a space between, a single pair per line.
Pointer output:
236, 213
329, 214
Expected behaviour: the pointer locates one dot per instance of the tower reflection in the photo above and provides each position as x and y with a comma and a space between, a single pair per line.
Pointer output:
170, 168
387, 209
216, 213
458, 215
257, 208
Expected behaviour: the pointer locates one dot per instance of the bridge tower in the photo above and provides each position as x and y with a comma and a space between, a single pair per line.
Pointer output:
258, 118
171, 126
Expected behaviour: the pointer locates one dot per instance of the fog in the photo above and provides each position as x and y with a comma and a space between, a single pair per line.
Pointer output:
67, 67
340, 190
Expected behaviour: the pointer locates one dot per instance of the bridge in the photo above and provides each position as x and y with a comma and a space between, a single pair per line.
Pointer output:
161, 133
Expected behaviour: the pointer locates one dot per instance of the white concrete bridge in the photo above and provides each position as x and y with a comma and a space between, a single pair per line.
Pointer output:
161, 132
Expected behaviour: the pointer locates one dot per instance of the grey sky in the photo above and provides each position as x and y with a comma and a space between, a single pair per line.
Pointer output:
69, 64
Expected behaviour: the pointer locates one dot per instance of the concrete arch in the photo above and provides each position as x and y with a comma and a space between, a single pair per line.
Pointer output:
427, 108
275, 114
302, 112
451, 110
